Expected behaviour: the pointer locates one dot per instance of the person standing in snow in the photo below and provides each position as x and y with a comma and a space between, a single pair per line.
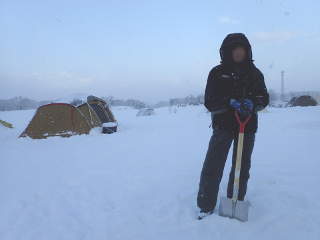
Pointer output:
234, 85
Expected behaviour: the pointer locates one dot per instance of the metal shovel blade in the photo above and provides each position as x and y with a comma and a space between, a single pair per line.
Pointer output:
234, 209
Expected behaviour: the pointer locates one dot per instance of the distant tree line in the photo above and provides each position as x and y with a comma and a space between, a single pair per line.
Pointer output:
20, 103
127, 102
189, 100
77, 102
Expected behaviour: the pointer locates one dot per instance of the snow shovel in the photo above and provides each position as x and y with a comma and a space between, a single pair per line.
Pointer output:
6, 124
232, 207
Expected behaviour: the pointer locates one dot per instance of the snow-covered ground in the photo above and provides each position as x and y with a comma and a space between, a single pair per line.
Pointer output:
141, 182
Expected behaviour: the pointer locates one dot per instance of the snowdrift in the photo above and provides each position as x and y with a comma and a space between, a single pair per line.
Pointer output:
141, 182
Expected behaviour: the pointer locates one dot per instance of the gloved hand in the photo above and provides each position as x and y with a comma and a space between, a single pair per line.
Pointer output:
235, 104
244, 107
248, 104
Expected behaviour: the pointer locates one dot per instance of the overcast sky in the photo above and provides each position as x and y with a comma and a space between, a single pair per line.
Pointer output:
150, 50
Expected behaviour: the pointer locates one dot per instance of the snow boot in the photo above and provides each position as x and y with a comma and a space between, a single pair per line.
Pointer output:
204, 214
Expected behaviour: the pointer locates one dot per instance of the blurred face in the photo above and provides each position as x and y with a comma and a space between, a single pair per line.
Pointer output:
239, 54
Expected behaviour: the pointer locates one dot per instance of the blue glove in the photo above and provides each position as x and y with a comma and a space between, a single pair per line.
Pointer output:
248, 105
235, 104
244, 107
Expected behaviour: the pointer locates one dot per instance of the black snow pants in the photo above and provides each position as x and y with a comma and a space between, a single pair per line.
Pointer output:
214, 163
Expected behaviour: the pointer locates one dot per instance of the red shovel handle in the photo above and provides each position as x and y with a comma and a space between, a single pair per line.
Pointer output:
243, 124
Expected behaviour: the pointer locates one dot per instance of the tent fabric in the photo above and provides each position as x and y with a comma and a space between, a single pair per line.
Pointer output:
95, 99
90, 115
57, 119
110, 114
101, 108
101, 112
105, 115
61, 119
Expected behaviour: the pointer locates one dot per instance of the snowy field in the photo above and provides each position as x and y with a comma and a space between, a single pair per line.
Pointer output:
141, 182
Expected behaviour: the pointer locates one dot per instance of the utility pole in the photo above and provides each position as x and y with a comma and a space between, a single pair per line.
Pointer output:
282, 86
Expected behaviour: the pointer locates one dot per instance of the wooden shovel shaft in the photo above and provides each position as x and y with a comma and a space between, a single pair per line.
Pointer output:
237, 170
238, 167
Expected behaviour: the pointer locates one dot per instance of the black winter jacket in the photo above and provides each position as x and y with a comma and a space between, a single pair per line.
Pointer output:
229, 80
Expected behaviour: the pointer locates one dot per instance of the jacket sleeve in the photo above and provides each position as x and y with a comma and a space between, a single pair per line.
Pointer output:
214, 101
260, 96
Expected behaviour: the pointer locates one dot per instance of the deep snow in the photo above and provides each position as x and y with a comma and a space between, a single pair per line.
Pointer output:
141, 182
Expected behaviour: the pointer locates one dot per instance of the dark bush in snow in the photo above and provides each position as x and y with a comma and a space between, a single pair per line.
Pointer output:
145, 112
302, 101
76, 102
